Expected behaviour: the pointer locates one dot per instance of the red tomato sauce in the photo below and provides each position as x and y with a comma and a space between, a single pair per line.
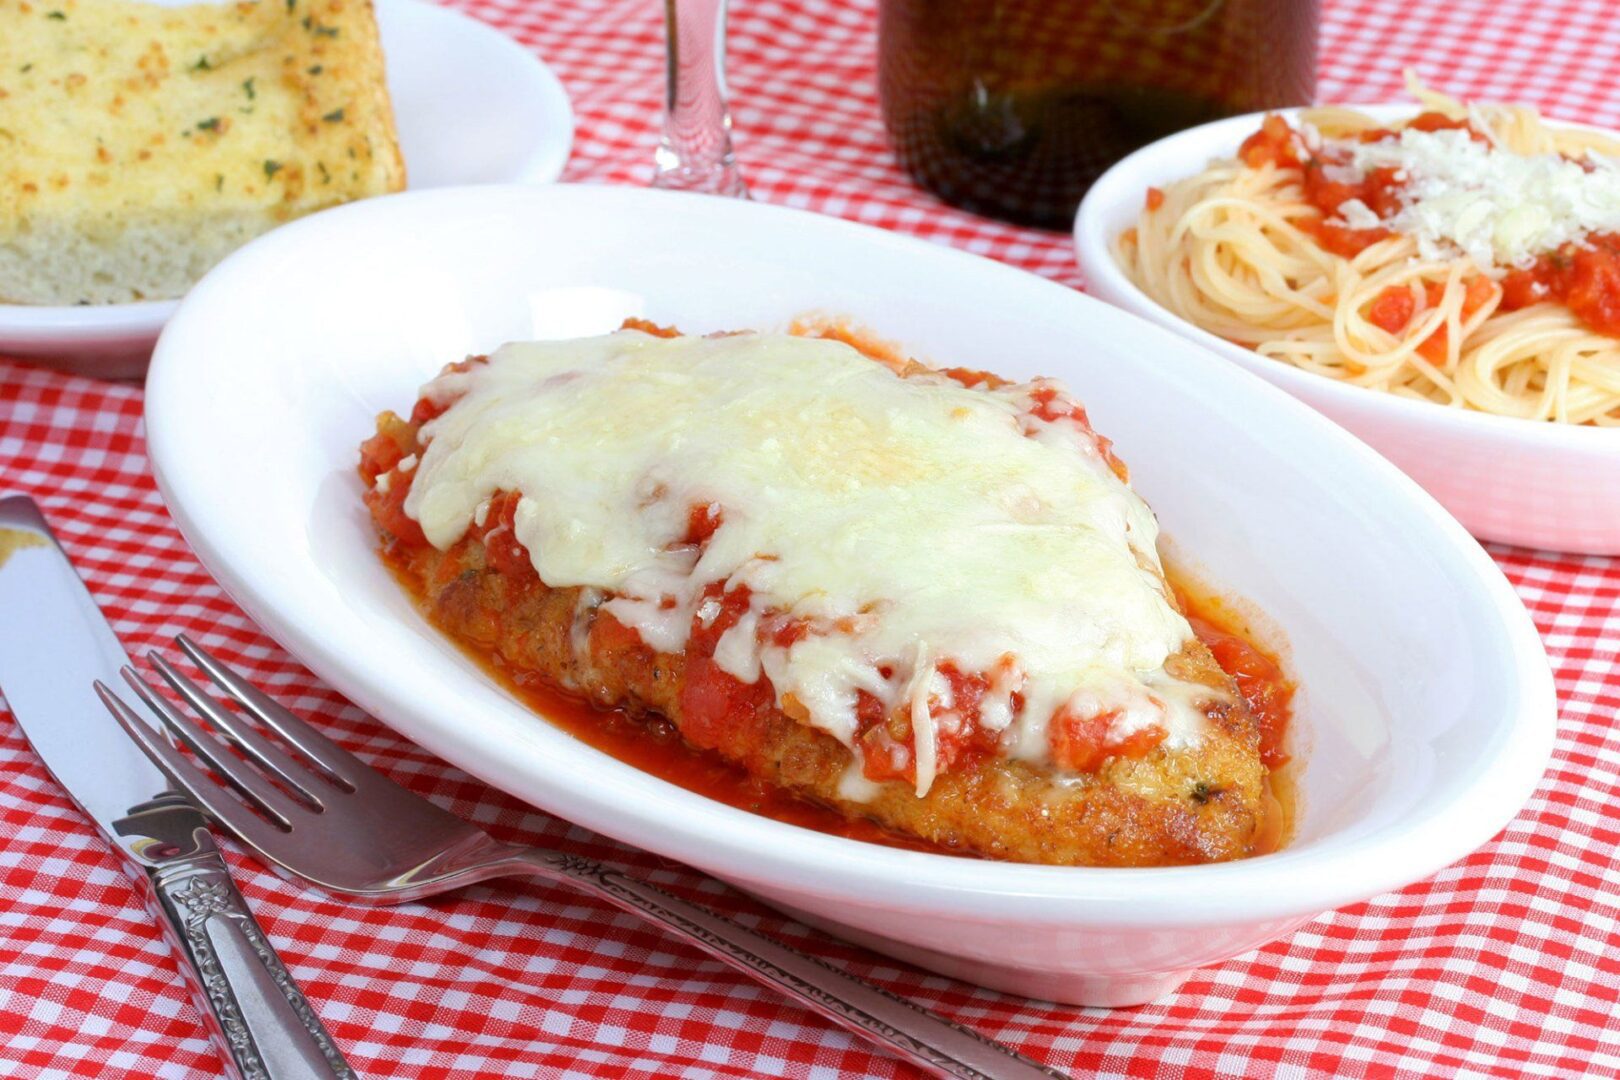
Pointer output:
1278, 144
1394, 308
1583, 277
654, 745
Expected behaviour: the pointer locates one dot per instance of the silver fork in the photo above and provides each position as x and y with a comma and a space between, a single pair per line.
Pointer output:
329, 820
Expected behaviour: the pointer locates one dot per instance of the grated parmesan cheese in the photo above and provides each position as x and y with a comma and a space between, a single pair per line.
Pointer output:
1499, 208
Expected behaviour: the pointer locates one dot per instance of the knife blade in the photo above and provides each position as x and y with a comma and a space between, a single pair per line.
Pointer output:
54, 645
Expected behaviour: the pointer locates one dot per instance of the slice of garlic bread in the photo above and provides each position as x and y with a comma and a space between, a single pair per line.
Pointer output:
140, 144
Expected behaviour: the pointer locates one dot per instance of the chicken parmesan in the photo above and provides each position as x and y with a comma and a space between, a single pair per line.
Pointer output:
924, 599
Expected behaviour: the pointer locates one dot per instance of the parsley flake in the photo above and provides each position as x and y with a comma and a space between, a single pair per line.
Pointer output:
247, 88
271, 168
57, 15
210, 124
333, 117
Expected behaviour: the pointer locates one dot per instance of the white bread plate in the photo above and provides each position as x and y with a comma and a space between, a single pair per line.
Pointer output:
1525, 482
471, 106
1425, 713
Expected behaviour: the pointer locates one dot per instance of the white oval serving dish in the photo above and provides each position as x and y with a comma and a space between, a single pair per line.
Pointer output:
1426, 710
471, 106
1516, 481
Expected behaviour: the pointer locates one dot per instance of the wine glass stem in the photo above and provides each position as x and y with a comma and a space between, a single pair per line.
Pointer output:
695, 151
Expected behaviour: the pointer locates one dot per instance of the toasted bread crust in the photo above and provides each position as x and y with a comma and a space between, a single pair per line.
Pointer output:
139, 144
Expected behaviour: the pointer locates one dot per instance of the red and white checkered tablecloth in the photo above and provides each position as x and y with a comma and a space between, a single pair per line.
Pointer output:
1505, 964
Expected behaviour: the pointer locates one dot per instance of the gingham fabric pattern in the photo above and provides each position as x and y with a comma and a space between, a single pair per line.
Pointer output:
1502, 965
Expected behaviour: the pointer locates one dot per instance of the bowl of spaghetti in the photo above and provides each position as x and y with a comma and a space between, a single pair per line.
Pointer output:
1441, 279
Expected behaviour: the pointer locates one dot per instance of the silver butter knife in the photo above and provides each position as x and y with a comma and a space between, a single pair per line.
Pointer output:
54, 645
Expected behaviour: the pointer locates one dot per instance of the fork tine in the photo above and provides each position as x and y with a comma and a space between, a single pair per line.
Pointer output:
347, 769
270, 757
265, 796
253, 830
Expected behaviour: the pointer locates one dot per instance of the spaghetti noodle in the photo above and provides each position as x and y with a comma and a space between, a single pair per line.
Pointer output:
1317, 246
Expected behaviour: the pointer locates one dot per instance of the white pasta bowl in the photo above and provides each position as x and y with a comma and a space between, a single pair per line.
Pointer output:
1516, 481
1425, 714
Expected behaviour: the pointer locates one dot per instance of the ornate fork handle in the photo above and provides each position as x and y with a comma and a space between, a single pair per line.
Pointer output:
911, 1032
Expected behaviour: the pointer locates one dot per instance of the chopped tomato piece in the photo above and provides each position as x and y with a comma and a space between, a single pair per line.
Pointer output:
1052, 407
1328, 195
1381, 191
1155, 198
1378, 190
1342, 240
970, 378
888, 744
715, 703
1585, 278
1428, 121
1393, 309
502, 549
888, 749
1273, 144
609, 637
702, 521
379, 454
1594, 291
868, 709
388, 511
647, 327
784, 631
1438, 121
709, 623
1521, 288
886, 753
1085, 743
967, 691
1476, 294
1261, 682
427, 409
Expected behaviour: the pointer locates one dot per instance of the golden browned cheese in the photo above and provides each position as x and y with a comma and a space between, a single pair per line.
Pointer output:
1169, 807
140, 143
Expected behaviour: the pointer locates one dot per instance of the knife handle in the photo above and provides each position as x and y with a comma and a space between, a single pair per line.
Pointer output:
260, 1020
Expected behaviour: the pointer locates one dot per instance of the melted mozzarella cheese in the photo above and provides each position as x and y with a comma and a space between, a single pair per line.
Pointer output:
1498, 207
911, 521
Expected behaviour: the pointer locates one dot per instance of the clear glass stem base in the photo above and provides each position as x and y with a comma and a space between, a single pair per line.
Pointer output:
694, 153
